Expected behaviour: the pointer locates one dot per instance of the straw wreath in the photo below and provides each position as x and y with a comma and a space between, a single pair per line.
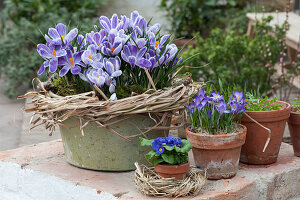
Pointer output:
52, 109
149, 183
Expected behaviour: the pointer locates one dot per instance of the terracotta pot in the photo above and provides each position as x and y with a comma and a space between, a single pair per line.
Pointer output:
218, 154
172, 171
294, 127
275, 120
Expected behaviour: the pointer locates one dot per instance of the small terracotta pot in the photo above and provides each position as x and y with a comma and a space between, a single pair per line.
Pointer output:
218, 154
275, 120
172, 171
294, 127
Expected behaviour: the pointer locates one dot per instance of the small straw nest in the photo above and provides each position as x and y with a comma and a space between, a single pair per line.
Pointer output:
52, 109
150, 183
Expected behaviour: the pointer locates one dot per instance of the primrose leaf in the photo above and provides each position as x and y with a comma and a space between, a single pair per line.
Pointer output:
168, 148
186, 146
145, 142
157, 160
151, 154
168, 158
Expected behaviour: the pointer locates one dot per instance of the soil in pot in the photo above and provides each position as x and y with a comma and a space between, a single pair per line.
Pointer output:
100, 149
294, 127
177, 172
275, 120
218, 154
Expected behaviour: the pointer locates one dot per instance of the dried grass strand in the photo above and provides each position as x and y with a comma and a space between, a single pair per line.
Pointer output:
149, 183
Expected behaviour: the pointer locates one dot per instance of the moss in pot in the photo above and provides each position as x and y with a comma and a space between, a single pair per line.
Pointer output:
169, 156
215, 132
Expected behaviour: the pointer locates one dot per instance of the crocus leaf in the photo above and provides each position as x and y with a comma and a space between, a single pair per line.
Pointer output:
145, 142
168, 158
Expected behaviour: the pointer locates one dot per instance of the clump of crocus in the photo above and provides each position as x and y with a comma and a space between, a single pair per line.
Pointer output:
117, 53
213, 115
169, 150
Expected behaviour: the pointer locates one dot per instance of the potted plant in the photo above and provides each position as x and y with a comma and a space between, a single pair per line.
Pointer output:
169, 156
294, 126
108, 87
215, 132
265, 121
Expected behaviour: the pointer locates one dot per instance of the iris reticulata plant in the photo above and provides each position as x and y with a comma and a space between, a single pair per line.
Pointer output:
169, 150
115, 56
213, 115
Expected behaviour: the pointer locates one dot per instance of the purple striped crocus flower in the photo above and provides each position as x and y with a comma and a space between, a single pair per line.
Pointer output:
59, 35
72, 62
51, 54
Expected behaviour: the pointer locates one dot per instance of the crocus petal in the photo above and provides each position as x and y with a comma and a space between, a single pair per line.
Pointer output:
116, 73
112, 88
61, 53
41, 70
53, 65
53, 33
123, 56
117, 49
131, 60
133, 49
83, 77
113, 97
164, 39
105, 23
77, 57
114, 21
61, 29
142, 52
97, 65
71, 35
144, 63
45, 54
76, 69
62, 61
64, 71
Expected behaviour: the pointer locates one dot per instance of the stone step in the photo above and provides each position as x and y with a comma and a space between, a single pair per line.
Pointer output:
45, 167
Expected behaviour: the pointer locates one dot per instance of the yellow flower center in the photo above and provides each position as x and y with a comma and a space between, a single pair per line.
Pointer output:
72, 62
217, 97
156, 43
97, 75
112, 49
90, 57
98, 45
233, 107
62, 37
160, 149
238, 98
54, 53
163, 143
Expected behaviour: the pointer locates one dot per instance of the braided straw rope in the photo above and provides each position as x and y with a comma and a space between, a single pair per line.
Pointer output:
52, 110
149, 183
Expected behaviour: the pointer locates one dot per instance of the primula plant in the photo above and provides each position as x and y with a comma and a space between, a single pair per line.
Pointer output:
118, 57
260, 103
168, 150
296, 105
211, 114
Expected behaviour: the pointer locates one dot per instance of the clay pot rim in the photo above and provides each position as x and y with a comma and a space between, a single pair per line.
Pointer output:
285, 106
169, 165
219, 135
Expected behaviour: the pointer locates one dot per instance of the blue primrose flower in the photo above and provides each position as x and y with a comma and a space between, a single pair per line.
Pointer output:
50, 53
